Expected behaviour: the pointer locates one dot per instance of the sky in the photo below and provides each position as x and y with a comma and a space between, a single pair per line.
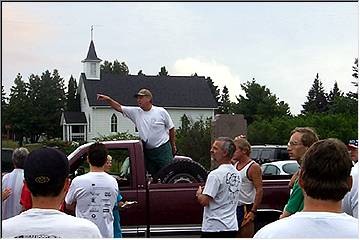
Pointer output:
283, 45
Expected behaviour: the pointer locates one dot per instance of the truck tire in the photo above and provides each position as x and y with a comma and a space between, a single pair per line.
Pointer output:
182, 171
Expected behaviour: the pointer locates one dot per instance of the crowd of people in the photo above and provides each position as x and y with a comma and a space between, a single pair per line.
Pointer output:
323, 202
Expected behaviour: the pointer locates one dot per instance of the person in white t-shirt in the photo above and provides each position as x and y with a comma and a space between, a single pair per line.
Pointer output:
93, 195
46, 173
221, 193
13, 181
155, 126
325, 179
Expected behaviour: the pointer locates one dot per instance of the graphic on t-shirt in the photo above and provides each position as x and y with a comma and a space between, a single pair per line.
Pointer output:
233, 181
99, 200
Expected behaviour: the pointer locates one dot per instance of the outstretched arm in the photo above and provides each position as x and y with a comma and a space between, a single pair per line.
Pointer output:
114, 104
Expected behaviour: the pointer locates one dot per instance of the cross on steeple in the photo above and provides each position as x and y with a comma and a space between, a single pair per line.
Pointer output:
92, 28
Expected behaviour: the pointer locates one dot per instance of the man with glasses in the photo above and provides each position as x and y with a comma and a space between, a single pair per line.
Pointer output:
301, 139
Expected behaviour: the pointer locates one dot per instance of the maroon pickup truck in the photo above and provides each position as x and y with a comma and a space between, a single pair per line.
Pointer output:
166, 203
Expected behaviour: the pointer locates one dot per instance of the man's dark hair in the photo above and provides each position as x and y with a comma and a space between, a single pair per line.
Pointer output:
19, 156
325, 170
97, 154
308, 137
228, 145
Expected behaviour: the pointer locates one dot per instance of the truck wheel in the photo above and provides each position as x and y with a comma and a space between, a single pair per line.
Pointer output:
182, 171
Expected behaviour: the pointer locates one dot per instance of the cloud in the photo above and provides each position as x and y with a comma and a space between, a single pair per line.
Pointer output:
219, 73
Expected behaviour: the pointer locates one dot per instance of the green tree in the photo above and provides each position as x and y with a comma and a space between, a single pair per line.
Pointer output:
163, 72
334, 93
106, 67
225, 103
355, 68
114, 68
277, 130
215, 91
18, 109
47, 108
193, 139
4, 109
120, 68
259, 103
72, 99
35, 100
316, 99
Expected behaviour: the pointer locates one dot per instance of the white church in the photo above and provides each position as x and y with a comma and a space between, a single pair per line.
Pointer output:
179, 95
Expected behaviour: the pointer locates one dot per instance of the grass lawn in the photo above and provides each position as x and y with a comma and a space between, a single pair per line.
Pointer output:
13, 145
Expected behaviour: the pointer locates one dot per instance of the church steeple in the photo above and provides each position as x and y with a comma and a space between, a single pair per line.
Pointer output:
92, 63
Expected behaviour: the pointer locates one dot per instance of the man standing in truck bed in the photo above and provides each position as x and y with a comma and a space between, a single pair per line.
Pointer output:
156, 129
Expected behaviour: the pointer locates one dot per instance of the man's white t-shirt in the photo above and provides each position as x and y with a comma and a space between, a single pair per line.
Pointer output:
312, 225
48, 223
95, 195
153, 125
223, 185
350, 201
14, 180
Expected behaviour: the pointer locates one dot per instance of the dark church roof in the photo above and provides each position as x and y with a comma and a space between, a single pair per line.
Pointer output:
168, 91
91, 56
74, 117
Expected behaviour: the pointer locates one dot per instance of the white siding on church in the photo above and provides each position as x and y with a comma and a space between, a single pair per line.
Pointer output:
192, 114
101, 123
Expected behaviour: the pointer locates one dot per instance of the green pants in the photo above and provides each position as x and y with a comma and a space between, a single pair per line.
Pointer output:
157, 158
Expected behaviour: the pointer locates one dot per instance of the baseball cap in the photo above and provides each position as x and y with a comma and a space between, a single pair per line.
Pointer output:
144, 92
46, 167
353, 144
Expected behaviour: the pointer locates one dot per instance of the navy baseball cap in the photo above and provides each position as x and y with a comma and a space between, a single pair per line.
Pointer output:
46, 167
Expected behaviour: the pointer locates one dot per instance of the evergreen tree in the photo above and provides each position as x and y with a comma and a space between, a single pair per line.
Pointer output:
355, 74
163, 72
34, 95
50, 106
316, 99
334, 93
72, 101
4, 109
259, 103
225, 103
18, 109
215, 91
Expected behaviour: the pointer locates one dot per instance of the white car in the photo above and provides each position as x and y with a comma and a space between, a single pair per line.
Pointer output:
286, 167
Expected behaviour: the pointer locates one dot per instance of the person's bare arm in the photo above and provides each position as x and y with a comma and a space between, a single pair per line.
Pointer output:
5, 194
284, 214
114, 104
256, 177
172, 137
203, 199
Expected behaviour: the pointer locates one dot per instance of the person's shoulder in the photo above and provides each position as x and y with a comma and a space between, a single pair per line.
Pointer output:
275, 229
